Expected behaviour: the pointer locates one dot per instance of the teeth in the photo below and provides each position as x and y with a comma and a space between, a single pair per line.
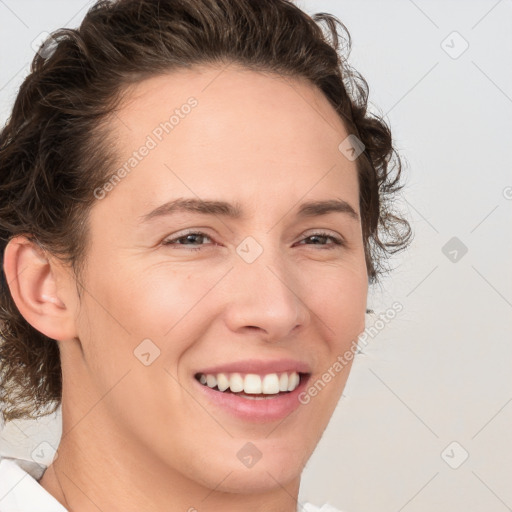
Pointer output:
211, 381
283, 382
270, 384
252, 384
293, 381
222, 382
236, 383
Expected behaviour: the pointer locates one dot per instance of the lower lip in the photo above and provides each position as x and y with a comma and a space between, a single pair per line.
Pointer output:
260, 411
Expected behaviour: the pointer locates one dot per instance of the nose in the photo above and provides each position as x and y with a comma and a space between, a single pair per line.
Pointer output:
267, 298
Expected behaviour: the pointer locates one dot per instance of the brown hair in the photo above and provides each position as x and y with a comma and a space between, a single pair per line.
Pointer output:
54, 149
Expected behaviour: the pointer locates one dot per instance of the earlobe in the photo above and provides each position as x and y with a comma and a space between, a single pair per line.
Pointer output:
32, 282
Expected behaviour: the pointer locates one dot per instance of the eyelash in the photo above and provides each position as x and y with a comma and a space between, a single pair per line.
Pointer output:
337, 242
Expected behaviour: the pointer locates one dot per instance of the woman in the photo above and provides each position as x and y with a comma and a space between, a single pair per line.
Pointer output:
194, 201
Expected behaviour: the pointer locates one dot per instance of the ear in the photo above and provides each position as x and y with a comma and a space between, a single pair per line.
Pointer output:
40, 287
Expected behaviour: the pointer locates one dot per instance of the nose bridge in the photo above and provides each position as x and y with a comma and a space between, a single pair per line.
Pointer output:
266, 293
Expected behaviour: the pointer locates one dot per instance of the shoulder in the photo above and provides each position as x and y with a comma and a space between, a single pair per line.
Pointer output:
20, 491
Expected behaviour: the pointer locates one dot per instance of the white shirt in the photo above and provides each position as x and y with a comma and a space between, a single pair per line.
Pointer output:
21, 492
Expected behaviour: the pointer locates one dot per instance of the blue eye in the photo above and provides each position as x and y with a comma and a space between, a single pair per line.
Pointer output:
336, 242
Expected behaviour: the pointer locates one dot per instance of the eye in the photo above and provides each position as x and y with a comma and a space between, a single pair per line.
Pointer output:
336, 241
187, 237
195, 235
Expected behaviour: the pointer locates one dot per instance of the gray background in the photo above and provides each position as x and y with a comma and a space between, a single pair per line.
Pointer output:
433, 386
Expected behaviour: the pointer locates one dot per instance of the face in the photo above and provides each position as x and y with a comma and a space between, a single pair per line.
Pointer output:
172, 293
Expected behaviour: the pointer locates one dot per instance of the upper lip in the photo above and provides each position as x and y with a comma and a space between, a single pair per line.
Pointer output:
258, 366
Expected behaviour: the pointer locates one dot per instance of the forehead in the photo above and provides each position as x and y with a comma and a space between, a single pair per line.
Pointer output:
235, 108
229, 84
230, 128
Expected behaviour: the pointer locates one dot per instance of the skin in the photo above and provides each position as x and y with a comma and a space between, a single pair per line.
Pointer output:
270, 144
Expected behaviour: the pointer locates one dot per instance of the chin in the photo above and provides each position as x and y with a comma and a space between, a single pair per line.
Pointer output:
257, 481
276, 468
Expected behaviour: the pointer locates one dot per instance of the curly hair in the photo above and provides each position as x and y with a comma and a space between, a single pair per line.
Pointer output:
55, 148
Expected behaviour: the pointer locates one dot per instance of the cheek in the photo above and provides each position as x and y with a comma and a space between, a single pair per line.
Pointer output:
340, 301
122, 311
163, 305
146, 301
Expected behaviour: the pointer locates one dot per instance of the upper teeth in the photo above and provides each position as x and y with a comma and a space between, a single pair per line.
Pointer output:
252, 383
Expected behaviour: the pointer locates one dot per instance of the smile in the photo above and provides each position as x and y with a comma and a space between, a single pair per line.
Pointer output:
252, 397
251, 385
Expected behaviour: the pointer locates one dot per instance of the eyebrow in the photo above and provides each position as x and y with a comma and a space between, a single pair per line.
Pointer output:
235, 211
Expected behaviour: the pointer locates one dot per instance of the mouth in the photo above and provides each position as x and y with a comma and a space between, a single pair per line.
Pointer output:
252, 386
253, 397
